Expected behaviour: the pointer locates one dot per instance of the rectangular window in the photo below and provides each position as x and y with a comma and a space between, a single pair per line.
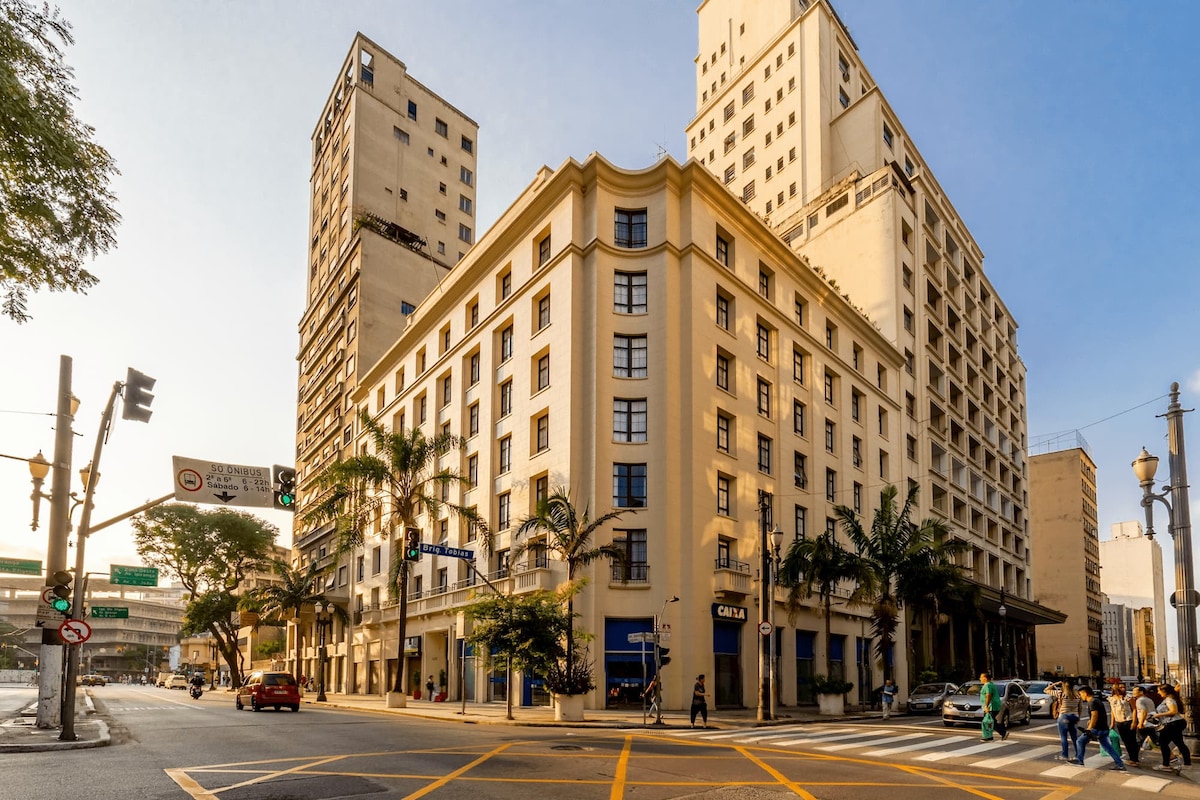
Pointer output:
630, 227
887, 135
723, 371
376, 560
468, 145
541, 490
543, 251
723, 495
506, 344
447, 390
856, 452
506, 398
729, 111
723, 425
629, 356
748, 127
799, 469
857, 498
400, 134
801, 517
723, 317
764, 397
730, 174
722, 251
505, 285
632, 566
764, 454
843, 98
473, 420
543, 372
748, 192
629, 420
798, 367
441, 128
505, 454
412, 110
830, 485
748, 94
830, 435
747, 159
472, 471
543, 433
465, 175
543, 312
798, 418
830, 390
503, 511
629, 292
474, 368
763, 341
629, 485
856, 401
465, 234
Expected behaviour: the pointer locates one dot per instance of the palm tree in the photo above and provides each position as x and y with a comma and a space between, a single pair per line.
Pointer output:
402, 471
287, 599
937, 583
907, 560
569, 534
819, 565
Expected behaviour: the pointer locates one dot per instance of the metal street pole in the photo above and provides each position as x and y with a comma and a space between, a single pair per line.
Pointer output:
50, 656
764, 669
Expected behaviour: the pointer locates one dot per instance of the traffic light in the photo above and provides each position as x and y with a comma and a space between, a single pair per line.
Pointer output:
61, 589
284, 479
412, 544
663, 658
138, 396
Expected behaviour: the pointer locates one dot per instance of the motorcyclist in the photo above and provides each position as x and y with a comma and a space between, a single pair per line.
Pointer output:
197, 684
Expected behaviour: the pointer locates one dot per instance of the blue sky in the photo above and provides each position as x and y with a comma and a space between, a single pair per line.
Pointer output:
1065, 133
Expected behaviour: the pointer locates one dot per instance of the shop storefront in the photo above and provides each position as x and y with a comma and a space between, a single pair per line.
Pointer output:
728, 622
628, 666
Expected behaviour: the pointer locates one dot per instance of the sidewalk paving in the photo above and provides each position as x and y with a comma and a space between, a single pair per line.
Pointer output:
19, 734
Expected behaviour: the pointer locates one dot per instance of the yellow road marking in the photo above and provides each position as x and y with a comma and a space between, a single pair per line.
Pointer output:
776, 774
189, 785
1062, 792
279, 773
618, 784
440, 782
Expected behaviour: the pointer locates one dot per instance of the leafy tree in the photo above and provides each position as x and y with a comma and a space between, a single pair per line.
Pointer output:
905, 560
525, 632
56, 208
297, 589
819, 566
569, 534
403, 475
210, 553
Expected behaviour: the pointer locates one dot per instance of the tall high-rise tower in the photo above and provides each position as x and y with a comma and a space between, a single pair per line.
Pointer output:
1131, 567
392, 199
791, 121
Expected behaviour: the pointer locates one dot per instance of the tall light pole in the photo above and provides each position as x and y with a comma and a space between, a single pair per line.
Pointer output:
764, 625
658, 659
324, 619
776, 543
1003, 612
1185, 597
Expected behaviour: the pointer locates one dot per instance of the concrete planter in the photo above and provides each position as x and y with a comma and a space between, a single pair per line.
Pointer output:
568, 707
397, 700
832, 705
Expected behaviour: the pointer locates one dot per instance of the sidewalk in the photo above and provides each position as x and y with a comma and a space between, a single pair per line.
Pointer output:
20, 734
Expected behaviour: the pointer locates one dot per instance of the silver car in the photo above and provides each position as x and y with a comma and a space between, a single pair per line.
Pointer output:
1042, 695
928, 697
964, 705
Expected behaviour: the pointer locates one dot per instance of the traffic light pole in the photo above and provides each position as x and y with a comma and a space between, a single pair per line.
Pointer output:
85, 521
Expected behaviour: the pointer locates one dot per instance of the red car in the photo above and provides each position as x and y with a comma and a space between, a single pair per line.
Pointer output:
275, 689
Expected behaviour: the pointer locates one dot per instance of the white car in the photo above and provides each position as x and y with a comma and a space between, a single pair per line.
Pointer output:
178, 682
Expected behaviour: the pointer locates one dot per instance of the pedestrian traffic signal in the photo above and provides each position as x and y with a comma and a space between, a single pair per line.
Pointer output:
284, 480
61, 589
663, 658
138, 396
412, 544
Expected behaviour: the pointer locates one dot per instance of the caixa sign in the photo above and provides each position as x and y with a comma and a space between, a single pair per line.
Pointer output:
729, 613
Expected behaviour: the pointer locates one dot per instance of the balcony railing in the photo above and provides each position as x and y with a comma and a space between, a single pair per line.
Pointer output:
731, 578
631, 573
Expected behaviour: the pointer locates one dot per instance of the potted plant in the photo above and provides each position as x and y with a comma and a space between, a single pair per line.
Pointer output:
831, 694
569, 681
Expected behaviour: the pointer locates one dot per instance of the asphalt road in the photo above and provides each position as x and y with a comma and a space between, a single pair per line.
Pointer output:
166, 745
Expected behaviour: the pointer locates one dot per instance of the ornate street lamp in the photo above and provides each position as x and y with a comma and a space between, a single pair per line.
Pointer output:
1003, 612
776, 544
1185, 598
324, 619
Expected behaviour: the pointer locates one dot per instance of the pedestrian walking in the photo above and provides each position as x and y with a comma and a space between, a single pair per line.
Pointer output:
990, 702
1122, 719
1067, 710
1170, 715
699, 701
888, 696
1146, 728
1097, 730
429, 687
653, 695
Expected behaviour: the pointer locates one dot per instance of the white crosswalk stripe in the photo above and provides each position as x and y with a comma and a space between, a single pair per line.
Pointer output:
982, 747
834, 748
1013, 758
908, 748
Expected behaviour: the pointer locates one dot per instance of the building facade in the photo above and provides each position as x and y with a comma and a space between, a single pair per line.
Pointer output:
1118, 641
789, 118
1131, 570
1062, 501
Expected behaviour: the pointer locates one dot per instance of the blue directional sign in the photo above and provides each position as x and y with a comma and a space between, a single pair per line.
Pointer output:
452, 552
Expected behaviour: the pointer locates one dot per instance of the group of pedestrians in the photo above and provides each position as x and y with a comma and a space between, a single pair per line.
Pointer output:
1129, 721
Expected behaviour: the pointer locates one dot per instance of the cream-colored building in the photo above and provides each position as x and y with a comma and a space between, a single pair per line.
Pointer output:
791, 120
1066, 577
392, 209
1131, 573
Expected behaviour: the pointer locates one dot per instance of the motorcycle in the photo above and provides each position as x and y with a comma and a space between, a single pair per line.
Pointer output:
196, 691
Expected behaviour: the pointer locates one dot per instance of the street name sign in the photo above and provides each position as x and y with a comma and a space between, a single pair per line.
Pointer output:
452, 552
110, 612
199, 481
133, 576
20, 566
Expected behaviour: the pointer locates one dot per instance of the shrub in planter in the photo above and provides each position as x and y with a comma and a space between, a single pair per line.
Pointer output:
823, 684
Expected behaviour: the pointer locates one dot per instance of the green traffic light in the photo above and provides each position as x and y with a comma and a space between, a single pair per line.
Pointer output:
286, 499
61, 604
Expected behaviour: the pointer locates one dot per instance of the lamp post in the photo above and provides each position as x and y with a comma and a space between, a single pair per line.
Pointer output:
658, 659
324, 619
212, 679
776, 544
1003, 612
1185, 598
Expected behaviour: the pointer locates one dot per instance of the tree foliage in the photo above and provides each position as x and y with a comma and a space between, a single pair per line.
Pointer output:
399, 479
297, 590
210, 553
56, 209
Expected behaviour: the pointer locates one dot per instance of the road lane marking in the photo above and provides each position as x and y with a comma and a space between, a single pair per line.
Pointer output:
442, 781
965, 751
886, 740
891, 751
618, 784
776, 774
1024, 755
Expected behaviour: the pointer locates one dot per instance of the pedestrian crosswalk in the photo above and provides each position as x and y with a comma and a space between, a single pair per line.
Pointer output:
929, 745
